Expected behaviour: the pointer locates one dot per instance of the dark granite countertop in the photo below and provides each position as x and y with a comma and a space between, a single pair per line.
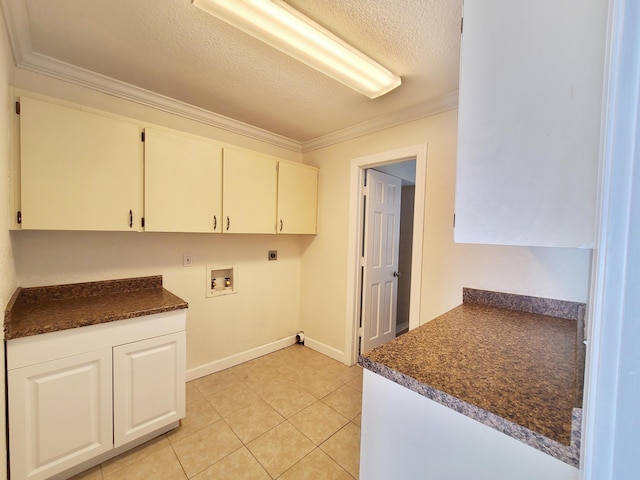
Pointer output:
36, 310
516, 371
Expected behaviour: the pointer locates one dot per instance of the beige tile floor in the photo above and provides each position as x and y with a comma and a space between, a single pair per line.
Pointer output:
291, 415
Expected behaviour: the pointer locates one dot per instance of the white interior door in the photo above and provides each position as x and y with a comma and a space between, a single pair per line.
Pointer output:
380, 259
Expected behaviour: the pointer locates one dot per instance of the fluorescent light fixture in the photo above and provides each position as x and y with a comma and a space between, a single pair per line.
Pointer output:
277, 24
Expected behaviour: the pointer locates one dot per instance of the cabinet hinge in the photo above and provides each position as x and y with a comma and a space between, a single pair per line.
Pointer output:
142, 222
17, 108
142, 136
19, 217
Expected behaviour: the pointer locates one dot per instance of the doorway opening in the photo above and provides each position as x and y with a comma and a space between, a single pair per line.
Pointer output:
409, 164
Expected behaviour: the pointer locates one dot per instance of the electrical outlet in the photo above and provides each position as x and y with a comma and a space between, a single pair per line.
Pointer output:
187, 260
273, 255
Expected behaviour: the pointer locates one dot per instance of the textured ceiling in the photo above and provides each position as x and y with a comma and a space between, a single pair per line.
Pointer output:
174, 49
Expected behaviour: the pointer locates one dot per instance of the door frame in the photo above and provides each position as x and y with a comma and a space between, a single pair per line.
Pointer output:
355, 237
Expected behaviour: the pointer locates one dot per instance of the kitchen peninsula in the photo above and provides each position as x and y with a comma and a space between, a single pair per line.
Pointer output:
490, 390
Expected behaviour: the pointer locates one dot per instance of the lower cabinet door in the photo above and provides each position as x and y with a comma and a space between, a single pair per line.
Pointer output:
148, 386
60, 414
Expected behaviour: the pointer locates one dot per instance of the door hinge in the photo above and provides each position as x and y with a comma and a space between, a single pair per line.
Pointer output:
142, 222
359, 345
454, 220
461, 24
365, 190
17, 107
19, 217
142, 136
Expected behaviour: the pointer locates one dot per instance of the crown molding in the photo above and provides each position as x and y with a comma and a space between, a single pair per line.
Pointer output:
85, 78
16, 18
17, 21
436, 105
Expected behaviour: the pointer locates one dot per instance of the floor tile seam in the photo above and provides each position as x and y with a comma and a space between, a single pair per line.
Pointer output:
309, 391
292, 466
255, 389
339, 413
256, 459
333, 435
221, 388
334, 410
329, 454
131, 452
236, 410
208, 466
171, 442
336, 460
316, 445
254, 438
105, 476
179, 462
263, 434
281, 413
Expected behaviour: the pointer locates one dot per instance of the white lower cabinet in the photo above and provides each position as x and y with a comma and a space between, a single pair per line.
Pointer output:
60, 414
80, 396
148, 386
436, 442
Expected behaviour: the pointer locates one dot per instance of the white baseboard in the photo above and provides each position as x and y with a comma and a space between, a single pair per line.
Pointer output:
239, 358
326, 350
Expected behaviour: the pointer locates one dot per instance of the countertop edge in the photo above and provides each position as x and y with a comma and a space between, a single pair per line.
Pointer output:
569, 454
88, 321
59, 294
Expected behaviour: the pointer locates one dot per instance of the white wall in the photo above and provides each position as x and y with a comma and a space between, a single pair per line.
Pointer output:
266, 308
447, 267
7, 269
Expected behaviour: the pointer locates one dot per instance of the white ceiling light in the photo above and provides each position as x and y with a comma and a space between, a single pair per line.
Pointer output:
277, 24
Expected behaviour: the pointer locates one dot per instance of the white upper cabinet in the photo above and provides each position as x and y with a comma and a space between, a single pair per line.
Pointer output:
297, 198
529, 122
78, 170
250, 183
183, 183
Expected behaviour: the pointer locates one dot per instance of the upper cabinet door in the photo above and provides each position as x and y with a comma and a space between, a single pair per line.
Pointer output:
183, 183
297, 198
78, 170
529, 122
250, 183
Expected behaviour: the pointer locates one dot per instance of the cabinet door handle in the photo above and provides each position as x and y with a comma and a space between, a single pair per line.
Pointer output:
130, 219
215, 222
280, 224
228, 223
